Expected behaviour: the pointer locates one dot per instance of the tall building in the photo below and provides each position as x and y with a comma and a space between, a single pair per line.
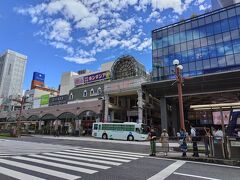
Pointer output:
217, 4
12, 72
205, 44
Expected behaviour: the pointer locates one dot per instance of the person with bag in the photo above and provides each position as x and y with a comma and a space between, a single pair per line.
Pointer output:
195, 138
164, 140
152, 137
183, 142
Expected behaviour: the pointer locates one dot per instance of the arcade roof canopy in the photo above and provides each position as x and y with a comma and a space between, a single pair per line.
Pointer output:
127, 66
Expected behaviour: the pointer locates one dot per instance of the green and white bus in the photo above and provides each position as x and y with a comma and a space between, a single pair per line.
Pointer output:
122, 131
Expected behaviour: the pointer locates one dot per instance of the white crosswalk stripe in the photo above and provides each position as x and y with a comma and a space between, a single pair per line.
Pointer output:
76, 162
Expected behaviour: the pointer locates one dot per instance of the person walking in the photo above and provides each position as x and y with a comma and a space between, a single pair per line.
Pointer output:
194, 137
152, 137
183, 142
164, 140
207, 141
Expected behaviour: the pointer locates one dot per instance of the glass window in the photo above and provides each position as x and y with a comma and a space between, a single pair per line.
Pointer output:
224, 25
177, 48
85, 93
182, 37
214, 63
194, 24
164, 33
236, 46
230, 60
218, 38
198, 54
190, 45
228, 48
215, 17
195, 34
233, 23
201, 22
170, 31
164, 42
191, 56
171, 49
197, 43
185, 67
166, 61
231, 12
206, 64
209, 29
203, 41
176, 29
235, 34
154, 35
221, 61
238, 10
223, 15
208, 19
165, 51
166, 70
188, 25
182, 27
183, 46
189, 35
238, 17
205, 53
237, 58
212, 51
217, 27
159, 34
176, 38
202, 32
160, 52
226, 36
192, 66
210, 40
184, 57
178, 56
199, 65
220, 49
171, 40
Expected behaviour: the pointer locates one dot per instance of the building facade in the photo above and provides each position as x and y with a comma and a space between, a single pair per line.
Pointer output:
217, 4
12, 72
205, 44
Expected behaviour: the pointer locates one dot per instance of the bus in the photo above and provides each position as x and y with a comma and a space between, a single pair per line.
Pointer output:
129, 131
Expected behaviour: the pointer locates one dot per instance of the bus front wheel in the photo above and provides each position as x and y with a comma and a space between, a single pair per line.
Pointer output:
130, 138
104, 136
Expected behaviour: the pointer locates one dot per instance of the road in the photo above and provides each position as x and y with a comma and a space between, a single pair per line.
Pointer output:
35, 158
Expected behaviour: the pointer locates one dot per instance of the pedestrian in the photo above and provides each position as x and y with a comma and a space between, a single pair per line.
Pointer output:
164, 140
183, 142
207, 140
152, 137
194, 137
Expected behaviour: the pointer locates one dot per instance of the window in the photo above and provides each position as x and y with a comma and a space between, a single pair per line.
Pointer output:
99, 91
95, 126
9, 70
230, 60
85, 93
71, 96
92, 92
221, 62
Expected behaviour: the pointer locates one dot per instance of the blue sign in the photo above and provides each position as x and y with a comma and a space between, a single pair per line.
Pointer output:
38, 77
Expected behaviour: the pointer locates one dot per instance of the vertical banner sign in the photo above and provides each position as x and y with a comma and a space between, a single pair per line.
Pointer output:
44, 99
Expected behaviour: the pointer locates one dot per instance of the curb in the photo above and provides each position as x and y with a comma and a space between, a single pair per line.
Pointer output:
206, 160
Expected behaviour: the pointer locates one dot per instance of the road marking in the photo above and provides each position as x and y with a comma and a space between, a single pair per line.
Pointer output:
101, 154
167, 171
18, 175
71, 162
73, 168
190, 175
114, 153
71, 156
37, 169
124, 152
99, 157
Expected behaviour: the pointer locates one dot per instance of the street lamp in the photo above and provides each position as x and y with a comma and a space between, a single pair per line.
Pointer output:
21, 101
179, 79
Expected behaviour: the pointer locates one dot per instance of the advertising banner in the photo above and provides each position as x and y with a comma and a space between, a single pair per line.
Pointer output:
38, 77
44, 99
79, 81
105, 75
53, 101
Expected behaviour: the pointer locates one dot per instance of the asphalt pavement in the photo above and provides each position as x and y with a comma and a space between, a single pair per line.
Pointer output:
56, 159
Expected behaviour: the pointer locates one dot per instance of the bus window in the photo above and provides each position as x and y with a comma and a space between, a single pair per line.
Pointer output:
100, 127
95, 126
138, 130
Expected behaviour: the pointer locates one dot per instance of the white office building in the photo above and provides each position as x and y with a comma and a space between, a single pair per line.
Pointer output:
12, 72
217, 4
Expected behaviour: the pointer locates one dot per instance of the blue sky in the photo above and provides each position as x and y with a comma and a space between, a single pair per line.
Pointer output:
69, 35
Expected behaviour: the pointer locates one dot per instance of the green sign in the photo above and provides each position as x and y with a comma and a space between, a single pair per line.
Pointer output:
44, 99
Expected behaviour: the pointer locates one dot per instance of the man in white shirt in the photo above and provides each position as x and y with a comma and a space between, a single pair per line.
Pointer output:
194, 142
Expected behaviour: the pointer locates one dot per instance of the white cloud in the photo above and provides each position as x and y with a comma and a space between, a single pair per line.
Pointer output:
79, 60
84, 28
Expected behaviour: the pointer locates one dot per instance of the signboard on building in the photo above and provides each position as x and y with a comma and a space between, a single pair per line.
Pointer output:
105, 75
38, 77
44, 99
53, 101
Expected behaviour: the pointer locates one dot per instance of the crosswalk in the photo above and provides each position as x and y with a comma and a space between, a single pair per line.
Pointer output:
70, 164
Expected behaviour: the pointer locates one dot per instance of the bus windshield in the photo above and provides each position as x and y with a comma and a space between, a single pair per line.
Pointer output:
144, 129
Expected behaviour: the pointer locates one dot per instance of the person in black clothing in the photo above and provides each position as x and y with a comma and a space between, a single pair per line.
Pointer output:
152, 137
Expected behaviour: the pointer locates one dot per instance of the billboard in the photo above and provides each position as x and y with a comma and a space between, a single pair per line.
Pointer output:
217, 117
44, 99
104, 75
58, 100
38, 77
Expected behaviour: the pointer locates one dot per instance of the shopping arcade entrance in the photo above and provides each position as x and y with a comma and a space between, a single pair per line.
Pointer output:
204, 89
